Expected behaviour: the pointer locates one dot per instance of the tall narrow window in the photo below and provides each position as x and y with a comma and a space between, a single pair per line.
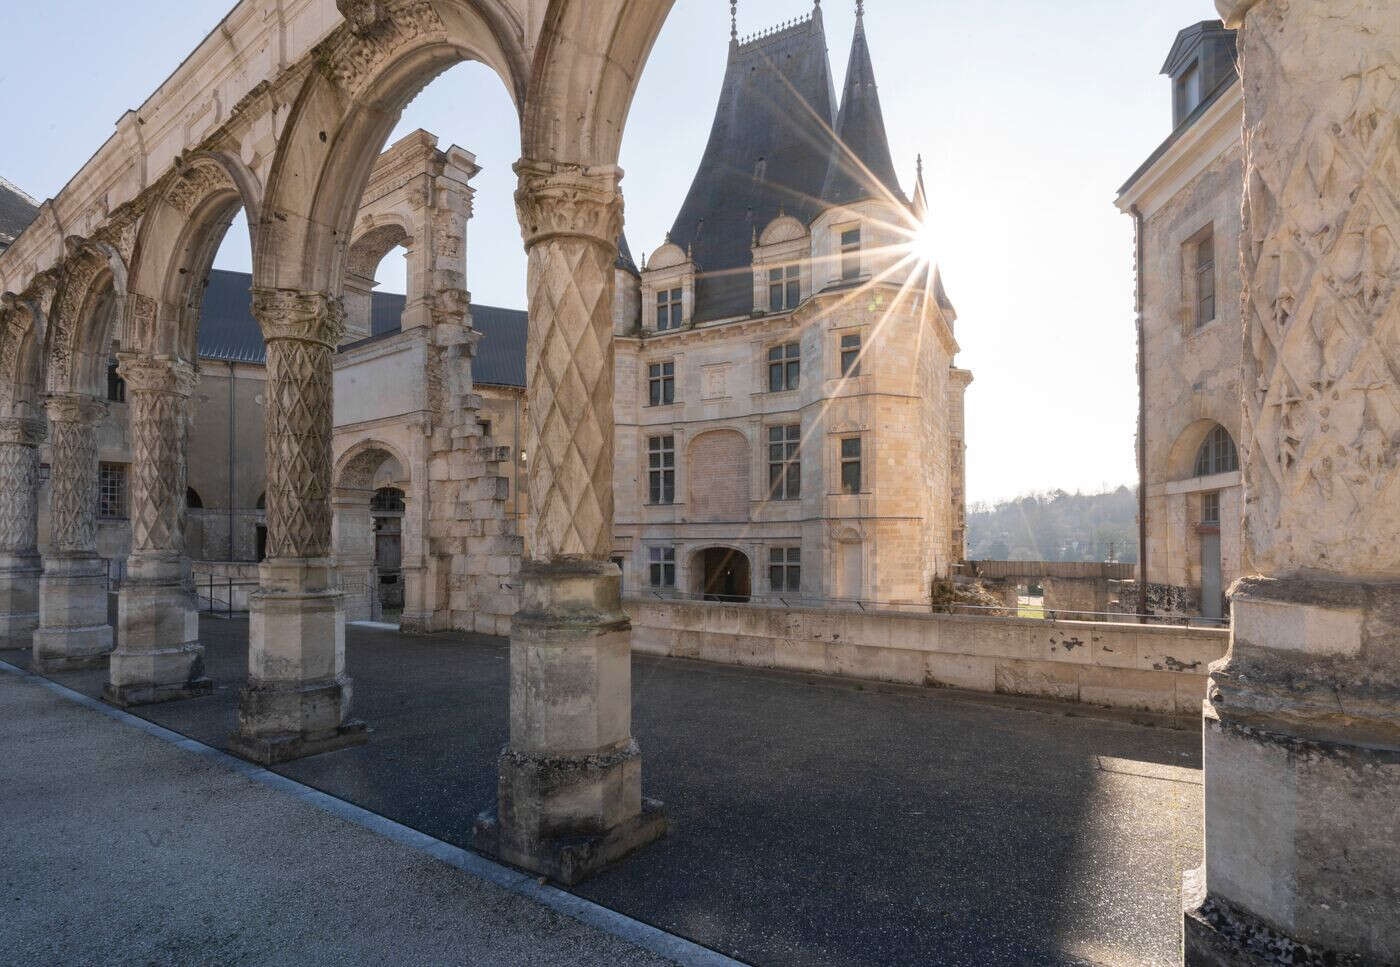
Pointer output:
850, 254
662, 565
850, 354
850, 465
669, 311
661, 469
111, 491
661, 384
784, 288
785, 568
784, 462
1205, 278
116, 386
784, 367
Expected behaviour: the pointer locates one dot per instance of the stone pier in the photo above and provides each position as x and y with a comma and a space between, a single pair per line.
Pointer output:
1302, 717
570, 798
297, 700
20, 566
73, 631
158, 655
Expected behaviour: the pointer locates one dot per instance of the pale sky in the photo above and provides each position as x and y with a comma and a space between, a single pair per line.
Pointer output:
1029, 114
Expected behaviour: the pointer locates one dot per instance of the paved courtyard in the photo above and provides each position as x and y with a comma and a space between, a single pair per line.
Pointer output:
814, 821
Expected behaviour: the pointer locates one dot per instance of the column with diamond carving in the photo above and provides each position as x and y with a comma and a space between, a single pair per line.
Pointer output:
73, 631
1302, 716
19, 556
569, 798
158, 655
297, 700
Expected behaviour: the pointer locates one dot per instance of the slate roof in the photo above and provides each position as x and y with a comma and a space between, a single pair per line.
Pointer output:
228, 331
769, 149
863, 148
17, 210
773, 147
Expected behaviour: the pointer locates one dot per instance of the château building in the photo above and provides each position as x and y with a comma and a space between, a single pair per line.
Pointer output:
1185, 200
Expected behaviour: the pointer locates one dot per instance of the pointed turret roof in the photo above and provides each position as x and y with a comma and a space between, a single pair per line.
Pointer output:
770, 148
862, 162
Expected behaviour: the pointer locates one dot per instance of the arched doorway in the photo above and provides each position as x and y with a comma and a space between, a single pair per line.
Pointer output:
368, 527
723, 574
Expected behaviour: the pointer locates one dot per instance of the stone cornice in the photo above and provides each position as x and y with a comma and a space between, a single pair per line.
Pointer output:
556, 200
298, 315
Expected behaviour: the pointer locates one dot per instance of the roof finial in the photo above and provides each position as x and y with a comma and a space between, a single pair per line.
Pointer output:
734, 20
919, 162
860, 10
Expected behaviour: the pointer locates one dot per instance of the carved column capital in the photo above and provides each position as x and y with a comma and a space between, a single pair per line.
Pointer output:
23, 432
300, 315
157, 374
1233, 11
555, 200
75, 408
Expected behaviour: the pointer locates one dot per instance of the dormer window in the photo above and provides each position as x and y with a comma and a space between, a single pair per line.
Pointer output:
669, 309
784, 288
1188, 90
850, 254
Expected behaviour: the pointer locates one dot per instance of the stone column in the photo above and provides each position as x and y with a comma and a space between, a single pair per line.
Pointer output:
73, 631
19, 555
1302, 716
158, 655
570, 797
297, 700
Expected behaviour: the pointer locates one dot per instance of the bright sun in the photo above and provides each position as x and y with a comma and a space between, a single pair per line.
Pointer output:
924, 244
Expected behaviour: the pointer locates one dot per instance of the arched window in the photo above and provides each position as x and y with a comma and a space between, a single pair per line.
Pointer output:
192, 499
387, 500
1217, 453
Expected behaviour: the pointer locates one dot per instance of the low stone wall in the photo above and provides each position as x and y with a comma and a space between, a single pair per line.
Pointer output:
224, 585
1150, 668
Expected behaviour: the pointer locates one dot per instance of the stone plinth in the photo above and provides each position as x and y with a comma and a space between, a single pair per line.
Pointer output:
73, 631
159, 657
19, 598
297, 700
570, 794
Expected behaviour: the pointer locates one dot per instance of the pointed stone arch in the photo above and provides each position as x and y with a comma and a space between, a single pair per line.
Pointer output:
84, 318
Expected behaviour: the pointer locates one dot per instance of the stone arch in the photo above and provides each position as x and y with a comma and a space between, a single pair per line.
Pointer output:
720, 571
369, 69
175, 248
367, 250
355, 476
83, 320
22, 360
358, 466
722, 457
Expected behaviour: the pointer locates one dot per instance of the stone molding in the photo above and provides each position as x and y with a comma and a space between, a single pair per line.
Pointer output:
157, 374
569, 200
194, 183
374, 31
73, 423
298, 314
19, 431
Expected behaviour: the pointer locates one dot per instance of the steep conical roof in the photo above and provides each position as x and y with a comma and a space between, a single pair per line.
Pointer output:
769, 149
863, 149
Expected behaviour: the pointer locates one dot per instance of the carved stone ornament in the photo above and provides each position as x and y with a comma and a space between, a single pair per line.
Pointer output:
1321, 272
299, 401
196, 183
140, 325
157, 374
300, 315
557, 199
73, 421
17, 431
376, 31
80, 270
19, 490
158, 393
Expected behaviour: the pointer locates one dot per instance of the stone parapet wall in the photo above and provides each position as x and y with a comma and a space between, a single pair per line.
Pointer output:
1148, 668
224, 585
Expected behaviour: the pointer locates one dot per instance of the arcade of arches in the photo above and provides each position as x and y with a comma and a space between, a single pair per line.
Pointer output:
1302, 747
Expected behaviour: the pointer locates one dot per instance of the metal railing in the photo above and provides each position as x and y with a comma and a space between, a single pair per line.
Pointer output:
217, 594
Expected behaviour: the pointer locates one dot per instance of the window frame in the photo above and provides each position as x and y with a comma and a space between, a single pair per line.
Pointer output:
1216, 454
113, 489
849, 248
785, 461
670, 308
850, 368
785, 367
1203, 276
661, 383
784, 287
661, 566
785, 569
661, 469
1210, 508
848, 460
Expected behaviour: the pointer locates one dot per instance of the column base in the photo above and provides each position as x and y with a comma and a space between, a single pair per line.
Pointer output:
158, 656
548, 815
17, 629
1216, 934
297, 700
19, 599
73, 631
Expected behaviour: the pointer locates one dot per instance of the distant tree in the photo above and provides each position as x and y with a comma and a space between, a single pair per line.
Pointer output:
1056, 526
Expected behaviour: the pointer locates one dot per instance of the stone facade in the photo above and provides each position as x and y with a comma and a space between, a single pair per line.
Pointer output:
1186, 199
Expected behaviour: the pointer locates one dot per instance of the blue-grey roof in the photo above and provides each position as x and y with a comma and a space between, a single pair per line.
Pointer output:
17, 210
228, 331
